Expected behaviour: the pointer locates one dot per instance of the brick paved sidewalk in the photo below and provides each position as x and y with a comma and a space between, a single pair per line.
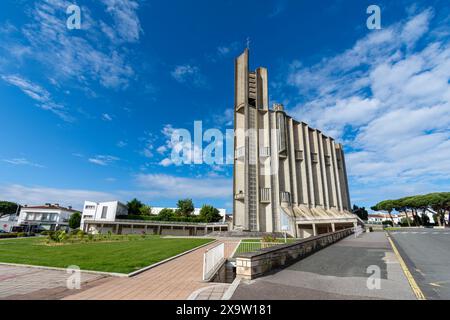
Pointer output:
173, 280
17, 282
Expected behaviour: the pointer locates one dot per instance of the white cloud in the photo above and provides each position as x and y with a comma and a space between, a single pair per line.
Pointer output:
148, 149
34, 91
227, 50
106, 117
39, 94
81, 56
121, 144
416, 27
103, 160
166, 162
188, 74
127, 27
223, 118
161, 149
388, 97
22, 162
173, 187
38, 195
152, 187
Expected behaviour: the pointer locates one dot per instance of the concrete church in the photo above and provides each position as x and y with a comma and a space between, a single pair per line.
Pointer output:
287, 175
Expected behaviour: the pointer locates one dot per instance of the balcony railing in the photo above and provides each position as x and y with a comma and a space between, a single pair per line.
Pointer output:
264, 195
299, 155
285, 197
264, 152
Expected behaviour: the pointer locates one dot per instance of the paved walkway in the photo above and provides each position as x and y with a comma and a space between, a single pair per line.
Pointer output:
212, 292
174, 280
17, 282
336, 272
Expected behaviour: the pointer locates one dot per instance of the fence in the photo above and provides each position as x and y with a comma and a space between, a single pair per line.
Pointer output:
212, 259
253, 246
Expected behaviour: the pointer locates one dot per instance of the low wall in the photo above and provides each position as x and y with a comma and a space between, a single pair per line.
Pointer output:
255, 264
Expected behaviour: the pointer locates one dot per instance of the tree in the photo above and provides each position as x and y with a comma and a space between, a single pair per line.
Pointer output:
166, 214
361, 212
75, 220
134, 207
399, 206
7, 207
437, 201
386, 205
210, 214
410, 203
145, 210
185, 207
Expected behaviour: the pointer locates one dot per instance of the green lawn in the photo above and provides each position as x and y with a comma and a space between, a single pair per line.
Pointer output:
120, 256
250, 245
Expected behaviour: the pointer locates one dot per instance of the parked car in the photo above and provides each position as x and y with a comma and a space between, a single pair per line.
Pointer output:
3, 231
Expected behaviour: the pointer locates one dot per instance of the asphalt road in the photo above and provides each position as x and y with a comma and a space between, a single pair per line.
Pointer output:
339, 271
426, 252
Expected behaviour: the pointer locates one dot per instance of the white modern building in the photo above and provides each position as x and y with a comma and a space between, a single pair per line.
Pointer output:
103, 217
287, 176
379, 218
45, 217
102, 211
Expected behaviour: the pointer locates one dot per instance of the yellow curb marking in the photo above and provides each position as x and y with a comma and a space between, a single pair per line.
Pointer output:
415, 288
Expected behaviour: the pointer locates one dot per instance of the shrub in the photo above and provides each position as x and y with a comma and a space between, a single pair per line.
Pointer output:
404, 222
387, 223
57, 236
8, 235
269, 238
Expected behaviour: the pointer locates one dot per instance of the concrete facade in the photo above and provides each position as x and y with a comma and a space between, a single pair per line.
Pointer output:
102, 211
123, 226
287, 175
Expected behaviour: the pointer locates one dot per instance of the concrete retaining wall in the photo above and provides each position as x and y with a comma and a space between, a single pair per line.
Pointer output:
255, 264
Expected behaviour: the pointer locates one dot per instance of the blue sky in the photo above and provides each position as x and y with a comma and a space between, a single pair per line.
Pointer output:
87, 114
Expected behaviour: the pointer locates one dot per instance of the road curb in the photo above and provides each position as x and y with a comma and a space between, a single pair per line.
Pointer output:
113, 274
231, 289
414, 286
